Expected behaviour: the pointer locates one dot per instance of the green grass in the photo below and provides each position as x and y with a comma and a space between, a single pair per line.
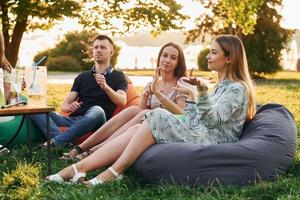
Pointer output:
283, 88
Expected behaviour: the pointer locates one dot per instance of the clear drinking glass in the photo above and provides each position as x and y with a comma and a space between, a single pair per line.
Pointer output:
36, 79
16, 80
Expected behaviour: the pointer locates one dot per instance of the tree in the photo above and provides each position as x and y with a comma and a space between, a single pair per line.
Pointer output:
263, 42
20, 16
202, 60
27, 15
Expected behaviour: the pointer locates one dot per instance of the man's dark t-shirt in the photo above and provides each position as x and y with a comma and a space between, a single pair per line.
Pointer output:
91, 94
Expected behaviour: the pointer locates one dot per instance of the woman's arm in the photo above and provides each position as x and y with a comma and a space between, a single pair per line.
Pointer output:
170, 105
219, 111
145, 96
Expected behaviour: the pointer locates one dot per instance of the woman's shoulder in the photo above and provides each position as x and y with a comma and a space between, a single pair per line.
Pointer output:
234, 85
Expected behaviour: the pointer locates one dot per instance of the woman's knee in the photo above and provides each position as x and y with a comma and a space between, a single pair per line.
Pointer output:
133, 109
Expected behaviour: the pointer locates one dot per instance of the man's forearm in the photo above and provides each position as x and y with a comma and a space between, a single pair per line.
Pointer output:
117, 98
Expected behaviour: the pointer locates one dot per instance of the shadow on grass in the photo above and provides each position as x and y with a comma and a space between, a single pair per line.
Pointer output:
288, 83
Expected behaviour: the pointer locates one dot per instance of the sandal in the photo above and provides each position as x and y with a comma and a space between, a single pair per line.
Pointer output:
56, 178
77, 175
84, 155
96, 181
69, 156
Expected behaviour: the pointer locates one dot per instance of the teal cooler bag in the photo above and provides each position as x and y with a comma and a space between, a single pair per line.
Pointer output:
9, 128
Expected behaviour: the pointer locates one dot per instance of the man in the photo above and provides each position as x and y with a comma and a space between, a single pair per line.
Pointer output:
92, 100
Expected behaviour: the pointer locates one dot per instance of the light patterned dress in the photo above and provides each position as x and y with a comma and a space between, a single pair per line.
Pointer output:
153, 102
215, 118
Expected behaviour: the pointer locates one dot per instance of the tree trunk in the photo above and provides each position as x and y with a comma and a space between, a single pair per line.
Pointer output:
5, 24
14, 44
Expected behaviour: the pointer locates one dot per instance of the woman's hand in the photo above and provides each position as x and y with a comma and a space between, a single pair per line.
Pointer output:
191, 80
148, 92
186, 90
200, 83
154, 84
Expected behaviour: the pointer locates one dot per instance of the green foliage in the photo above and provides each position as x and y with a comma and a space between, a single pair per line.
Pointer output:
225, 16
17, 17
109, 16
73, 53
123, 16
263, 45
21, 183
202, 61
63, 63
298, 65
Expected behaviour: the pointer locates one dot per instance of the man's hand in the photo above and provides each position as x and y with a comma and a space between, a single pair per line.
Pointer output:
100, 79
73, 106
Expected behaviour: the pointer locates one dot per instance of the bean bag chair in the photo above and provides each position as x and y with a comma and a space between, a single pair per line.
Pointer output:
266, 149
9, 128
133, 99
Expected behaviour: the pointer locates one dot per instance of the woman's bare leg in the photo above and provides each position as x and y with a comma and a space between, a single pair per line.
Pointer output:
107, 129
104, 156
139, 142
135, 120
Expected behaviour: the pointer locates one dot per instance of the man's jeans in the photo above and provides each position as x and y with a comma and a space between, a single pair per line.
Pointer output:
78, 126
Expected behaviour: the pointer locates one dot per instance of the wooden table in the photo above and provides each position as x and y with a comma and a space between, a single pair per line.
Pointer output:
25, 111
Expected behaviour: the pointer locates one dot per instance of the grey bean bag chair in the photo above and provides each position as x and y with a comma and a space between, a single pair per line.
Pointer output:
266, 149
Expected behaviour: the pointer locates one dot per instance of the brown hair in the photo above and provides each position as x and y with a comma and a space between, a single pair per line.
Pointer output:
180, 69
238, 67
104, 37
3, 61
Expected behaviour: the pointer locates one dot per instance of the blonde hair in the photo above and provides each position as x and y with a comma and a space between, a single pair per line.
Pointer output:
238, 67
3, 61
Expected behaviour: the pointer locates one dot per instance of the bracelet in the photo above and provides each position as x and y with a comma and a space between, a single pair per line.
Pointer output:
162, 99
78, 149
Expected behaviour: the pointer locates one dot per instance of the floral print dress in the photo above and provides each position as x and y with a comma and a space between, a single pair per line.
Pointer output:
215, 118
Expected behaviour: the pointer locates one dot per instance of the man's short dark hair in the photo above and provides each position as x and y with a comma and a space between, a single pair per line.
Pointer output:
104, 37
